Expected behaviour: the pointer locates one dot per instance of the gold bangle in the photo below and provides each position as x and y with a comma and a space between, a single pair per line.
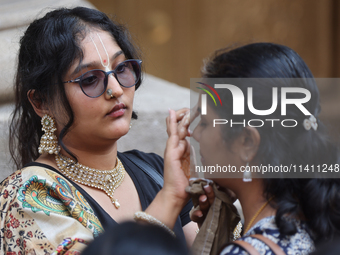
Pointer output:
143, 216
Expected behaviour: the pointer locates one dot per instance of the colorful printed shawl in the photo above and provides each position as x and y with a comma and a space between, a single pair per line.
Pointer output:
43, 213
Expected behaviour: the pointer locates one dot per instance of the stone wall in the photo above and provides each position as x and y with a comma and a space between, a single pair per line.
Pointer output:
15, 15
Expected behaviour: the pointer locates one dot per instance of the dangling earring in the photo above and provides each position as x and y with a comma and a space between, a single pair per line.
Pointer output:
247, 174
48, 141
130, 125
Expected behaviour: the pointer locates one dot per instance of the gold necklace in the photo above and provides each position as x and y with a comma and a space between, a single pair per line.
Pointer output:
106, 180
257, 214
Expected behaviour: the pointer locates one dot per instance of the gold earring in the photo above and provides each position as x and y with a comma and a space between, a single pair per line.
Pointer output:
48, 141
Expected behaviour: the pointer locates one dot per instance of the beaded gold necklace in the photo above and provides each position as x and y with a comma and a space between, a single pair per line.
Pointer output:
106, 180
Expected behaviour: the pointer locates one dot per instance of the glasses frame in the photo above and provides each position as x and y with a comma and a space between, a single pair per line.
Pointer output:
106, 78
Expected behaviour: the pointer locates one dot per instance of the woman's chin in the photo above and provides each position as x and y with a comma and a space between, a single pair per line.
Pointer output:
121, 133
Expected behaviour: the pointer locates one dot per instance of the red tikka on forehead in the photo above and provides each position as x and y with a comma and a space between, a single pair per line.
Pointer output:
105, 62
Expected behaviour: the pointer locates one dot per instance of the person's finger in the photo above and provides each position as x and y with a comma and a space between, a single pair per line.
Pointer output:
172, 123
204, 204
209, 193
181, 113
197, 216
167, 121
182, 144
189, 132
185, 157
184, 125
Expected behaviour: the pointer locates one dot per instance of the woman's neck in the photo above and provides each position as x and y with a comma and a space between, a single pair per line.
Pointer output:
254, 203
101, 159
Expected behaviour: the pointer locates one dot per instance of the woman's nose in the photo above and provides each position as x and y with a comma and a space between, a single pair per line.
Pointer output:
113, 87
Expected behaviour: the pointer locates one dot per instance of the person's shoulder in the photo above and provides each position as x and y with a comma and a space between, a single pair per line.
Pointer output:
39, 170
152, 159
233, 249
300, 241
14, 177
9, 189
31, 173
142, 155
18, 177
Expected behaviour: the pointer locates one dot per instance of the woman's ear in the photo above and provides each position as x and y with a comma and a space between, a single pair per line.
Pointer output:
37, 103
249, 143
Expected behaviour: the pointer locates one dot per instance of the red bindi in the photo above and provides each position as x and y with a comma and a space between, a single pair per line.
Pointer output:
104, 60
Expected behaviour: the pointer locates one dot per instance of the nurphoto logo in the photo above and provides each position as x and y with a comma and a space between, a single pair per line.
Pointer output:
238, 104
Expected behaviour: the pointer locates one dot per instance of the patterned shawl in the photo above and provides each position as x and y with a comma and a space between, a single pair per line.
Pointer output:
43, 213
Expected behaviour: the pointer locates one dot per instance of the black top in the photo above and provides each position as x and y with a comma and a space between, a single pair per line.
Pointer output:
145, 186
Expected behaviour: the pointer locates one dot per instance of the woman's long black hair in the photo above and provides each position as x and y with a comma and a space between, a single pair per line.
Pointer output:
48, 48
315, 200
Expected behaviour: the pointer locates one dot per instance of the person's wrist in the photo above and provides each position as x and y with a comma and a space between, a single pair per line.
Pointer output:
166, 207
174, 199
143, 216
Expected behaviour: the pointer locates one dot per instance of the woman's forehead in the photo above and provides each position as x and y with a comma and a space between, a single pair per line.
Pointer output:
99, 49
98, 39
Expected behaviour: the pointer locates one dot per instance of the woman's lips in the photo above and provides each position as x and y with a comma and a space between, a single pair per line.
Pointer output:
117, 111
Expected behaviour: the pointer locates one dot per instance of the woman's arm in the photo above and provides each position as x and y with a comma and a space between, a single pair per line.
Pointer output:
190, 232
172, 197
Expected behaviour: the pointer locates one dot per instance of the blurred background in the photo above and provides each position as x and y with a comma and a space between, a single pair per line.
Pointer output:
176, 35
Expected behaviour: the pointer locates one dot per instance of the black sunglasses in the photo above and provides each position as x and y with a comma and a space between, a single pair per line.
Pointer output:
93, 83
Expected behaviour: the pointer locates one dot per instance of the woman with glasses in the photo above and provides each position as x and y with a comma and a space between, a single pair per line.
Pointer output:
76, 78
